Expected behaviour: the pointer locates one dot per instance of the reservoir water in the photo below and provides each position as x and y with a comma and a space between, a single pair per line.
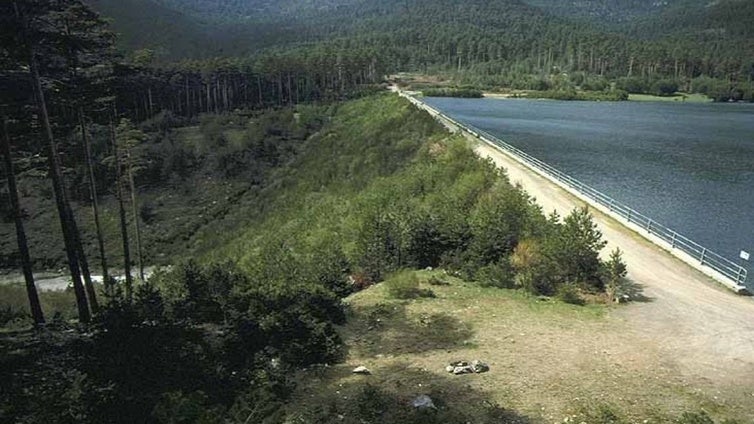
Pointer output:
689, 166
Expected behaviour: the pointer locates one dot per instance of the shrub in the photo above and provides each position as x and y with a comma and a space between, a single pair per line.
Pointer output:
437, 281
498, 275
665, 87
569, 293
405, 285
632, 85
456, 92
615, 272
695, 418
528, 262
573, 250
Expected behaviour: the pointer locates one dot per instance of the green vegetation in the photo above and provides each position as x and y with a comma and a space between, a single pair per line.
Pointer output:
690, 98
378, 187
405, 285
453, 92
603, 96
503, 44
60, 306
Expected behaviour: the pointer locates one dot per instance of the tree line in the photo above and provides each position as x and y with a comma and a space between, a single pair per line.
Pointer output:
508, 43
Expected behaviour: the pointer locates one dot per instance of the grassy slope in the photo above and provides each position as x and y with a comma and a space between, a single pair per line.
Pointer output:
313, 200
549, 360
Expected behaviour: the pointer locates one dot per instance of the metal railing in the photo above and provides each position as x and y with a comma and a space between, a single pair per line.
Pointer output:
707, 258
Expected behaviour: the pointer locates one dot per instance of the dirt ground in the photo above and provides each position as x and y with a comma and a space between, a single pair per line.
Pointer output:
690, 324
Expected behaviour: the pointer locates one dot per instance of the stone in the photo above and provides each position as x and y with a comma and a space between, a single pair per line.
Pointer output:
479, 366
423, 402
450, 368
362, 370
467, 369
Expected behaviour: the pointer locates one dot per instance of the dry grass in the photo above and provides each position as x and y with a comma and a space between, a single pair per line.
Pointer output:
549, 360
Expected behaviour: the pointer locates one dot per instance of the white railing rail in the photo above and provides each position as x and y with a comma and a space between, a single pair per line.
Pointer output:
705, 257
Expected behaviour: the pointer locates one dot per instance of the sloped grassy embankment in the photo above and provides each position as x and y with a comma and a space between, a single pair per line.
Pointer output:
380, 187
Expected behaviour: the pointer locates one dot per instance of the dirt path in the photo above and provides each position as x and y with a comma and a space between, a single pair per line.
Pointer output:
703, 331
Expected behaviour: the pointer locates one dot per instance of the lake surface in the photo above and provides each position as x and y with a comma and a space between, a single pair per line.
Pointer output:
687, 166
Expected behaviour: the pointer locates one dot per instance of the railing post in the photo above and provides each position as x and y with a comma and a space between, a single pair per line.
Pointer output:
649, 226
610, 205
629, 215
672, 241
704, 252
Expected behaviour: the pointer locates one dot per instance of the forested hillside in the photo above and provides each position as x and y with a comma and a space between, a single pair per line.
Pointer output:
705, 48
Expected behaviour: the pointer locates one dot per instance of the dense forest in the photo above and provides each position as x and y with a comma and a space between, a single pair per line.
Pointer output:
691, 45
249, 151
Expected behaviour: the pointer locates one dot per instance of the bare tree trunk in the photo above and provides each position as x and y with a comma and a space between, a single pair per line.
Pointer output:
23, 247
60, 197
135, 212
95, 201
83, 263
122, 211
188, 97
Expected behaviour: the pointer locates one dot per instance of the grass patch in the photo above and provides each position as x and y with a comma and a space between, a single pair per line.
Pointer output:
405, 285
14, 306
678, 97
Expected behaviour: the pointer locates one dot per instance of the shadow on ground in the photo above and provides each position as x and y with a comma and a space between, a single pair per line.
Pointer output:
388, 329
635, 292
387, 396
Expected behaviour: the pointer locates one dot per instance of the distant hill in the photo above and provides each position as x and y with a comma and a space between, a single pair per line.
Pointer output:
149, 24
497, 40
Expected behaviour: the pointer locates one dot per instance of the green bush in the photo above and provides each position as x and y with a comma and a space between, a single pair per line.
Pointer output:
632, 85
499, 275
453, 92
665, 87
405, 285
569, 293
437, 281
695, 418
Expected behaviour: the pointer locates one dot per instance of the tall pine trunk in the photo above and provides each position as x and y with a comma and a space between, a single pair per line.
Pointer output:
95, 201
61, 199
135, 211
23, 247
83, 263
122, 213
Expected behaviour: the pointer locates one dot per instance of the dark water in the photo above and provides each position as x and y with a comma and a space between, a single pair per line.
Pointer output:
688, 166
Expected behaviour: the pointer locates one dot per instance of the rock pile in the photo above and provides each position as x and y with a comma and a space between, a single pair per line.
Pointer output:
463, 367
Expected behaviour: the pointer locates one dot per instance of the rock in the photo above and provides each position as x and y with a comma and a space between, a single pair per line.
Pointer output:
463, 370
423, 402
479, 366
362, 370
463, 367
429, 268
